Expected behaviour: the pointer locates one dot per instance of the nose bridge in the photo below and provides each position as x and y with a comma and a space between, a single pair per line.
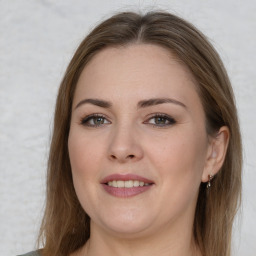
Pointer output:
124, 144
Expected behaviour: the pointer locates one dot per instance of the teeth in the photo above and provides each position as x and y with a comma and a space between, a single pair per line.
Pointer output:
114, 183
120, 183
136, 183
127, 183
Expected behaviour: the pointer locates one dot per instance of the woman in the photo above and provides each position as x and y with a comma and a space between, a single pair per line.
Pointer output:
145, 156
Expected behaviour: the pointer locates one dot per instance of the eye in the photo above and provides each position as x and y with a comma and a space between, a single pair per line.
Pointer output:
161, 120
94, 120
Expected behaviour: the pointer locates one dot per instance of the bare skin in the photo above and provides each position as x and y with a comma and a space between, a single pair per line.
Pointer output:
118, 127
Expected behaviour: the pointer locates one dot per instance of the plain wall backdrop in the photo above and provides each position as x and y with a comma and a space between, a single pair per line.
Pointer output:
37, 40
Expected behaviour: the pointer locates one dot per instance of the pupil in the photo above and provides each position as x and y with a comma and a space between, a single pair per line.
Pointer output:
160, 120
98, 120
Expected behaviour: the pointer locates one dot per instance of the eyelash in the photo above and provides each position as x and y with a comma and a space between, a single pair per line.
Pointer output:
171, 121
85, 120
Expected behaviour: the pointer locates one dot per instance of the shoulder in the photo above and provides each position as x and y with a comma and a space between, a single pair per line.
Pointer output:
34, 253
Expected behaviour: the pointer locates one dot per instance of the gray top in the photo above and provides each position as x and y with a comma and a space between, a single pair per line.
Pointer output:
34, 253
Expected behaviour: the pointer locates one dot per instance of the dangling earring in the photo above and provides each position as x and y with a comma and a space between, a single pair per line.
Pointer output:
210, 177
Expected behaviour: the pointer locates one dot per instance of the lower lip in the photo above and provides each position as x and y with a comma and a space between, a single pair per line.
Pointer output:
125, 192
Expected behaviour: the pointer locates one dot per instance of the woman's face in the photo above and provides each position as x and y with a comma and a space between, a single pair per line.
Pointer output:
137, 144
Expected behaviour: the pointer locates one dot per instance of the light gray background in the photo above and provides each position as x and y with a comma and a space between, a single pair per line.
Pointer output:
37, 40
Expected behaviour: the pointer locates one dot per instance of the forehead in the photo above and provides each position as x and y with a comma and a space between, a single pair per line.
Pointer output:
137, 70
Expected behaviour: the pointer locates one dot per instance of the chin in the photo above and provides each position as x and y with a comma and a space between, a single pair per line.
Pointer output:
125, 225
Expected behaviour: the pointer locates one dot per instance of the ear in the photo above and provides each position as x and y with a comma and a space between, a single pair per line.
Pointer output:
216, 153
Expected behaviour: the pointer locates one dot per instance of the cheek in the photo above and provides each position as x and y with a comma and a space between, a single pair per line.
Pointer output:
84, 159
83, 153
179, 165
179, 158
179, 150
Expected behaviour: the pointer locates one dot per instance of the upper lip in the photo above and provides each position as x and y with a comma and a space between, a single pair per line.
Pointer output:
125, 177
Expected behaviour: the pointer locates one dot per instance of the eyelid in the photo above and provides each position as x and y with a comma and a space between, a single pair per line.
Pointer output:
85, 119
155, 115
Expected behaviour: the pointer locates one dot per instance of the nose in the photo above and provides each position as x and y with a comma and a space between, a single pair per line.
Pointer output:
125, 146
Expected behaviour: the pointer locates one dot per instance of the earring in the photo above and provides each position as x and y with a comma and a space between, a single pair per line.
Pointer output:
210, 177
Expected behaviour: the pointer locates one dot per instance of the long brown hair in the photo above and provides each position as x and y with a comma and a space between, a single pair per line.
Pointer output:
65, 226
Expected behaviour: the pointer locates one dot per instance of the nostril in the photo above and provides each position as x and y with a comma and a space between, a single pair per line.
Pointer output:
127, 157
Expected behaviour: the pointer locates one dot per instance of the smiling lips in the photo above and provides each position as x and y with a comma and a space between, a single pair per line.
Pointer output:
126, 185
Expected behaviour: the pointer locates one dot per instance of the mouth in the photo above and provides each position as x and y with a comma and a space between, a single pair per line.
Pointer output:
126, 185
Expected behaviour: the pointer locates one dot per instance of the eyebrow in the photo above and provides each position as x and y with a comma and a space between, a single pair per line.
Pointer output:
157, 101
141, 104
96, 102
